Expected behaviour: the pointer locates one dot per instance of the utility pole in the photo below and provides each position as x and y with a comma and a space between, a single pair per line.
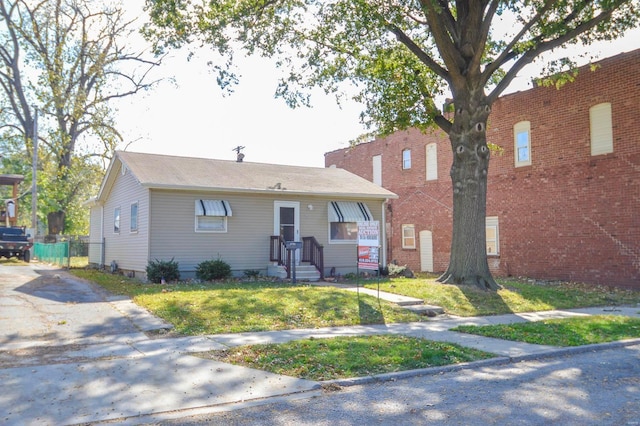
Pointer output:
34, 174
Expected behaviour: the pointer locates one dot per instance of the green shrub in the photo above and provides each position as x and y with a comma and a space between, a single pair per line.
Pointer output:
395, 270
210, 270
157, 270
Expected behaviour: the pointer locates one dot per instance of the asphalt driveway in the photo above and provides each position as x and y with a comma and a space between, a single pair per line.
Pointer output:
39, 303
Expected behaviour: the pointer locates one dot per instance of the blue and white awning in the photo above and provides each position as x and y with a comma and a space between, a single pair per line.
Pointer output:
213, 208
349, 211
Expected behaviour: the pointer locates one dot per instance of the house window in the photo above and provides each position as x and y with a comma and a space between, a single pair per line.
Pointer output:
406, 159
408, 236
522, 143
493, 240
134, 217
343, 220
432, 161
116, 220
601, 128
211, 215
377, 169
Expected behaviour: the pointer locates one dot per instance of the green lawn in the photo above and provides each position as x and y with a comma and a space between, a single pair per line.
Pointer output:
344, 357
515, 296
576, 331
212, 308
252, 306
257, 306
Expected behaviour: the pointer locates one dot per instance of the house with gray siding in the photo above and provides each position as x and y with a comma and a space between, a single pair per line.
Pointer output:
159, 207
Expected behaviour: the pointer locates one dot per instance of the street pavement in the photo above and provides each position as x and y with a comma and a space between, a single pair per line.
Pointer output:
71, 353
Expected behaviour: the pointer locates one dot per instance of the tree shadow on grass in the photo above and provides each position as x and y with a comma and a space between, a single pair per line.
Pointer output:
485, 302
370, 313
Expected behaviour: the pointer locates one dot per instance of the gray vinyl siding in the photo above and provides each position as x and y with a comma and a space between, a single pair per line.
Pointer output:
95, 235
129, 250
245, 245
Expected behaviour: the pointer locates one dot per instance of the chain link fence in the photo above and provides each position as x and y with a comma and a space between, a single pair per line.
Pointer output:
68, 251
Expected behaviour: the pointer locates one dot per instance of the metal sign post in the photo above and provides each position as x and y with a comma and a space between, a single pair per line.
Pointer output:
292, 246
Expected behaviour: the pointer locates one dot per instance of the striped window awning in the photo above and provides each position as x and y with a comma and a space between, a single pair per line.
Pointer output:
349, 211
213, 208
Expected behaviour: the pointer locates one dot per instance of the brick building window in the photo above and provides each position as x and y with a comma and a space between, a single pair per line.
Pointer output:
406, 159
408, 236
493, 242
432, 161
601, 129
522, 143
377, 169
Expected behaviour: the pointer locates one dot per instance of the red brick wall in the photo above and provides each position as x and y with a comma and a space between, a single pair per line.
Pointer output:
569, 215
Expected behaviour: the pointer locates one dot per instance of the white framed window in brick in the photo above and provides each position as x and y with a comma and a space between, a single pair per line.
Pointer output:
116, 220
377, 169
432, 161
522, 143
493, 236
406, 159
601, 129
408, 236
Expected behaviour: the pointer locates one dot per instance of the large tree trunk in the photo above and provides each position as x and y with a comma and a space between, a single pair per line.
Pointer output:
468, 262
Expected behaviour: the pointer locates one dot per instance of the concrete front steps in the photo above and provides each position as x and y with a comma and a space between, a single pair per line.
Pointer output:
304, 272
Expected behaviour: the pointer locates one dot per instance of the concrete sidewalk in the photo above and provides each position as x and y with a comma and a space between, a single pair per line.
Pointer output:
137, 380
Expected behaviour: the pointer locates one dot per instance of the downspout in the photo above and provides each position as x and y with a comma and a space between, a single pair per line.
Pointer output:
384, 233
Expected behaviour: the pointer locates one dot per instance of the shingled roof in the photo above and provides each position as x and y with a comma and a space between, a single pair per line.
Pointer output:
188, 173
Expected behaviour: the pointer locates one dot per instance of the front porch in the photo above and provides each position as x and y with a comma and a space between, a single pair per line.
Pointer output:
310, 267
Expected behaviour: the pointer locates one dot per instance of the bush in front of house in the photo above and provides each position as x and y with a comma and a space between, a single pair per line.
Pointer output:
210, 270
395, 270
158, 270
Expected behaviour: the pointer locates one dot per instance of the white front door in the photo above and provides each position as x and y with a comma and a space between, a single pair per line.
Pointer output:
287, 222
426, 251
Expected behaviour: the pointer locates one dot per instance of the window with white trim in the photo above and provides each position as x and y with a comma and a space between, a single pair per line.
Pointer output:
116, 220
522, 143
493, 236
211, 215
601, 129
408, 236
406, 159
343, 220
133, 227
432, 161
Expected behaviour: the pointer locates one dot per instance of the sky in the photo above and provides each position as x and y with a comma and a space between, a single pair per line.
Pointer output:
189, 116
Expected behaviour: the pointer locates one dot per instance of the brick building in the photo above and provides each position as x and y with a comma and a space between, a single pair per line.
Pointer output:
563, 196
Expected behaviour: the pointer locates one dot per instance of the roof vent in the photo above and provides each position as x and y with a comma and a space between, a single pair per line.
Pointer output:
240, 155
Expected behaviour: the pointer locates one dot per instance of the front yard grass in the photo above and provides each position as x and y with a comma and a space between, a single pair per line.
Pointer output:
258, 306
515, 296
214, 308
577, 331
345, 357
195, 308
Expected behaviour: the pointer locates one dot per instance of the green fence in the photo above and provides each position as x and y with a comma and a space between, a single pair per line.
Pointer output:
57, 253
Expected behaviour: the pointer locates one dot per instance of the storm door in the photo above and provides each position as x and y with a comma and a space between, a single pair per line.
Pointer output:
287, 222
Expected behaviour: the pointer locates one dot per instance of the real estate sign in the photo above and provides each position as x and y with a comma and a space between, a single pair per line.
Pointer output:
368, 244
